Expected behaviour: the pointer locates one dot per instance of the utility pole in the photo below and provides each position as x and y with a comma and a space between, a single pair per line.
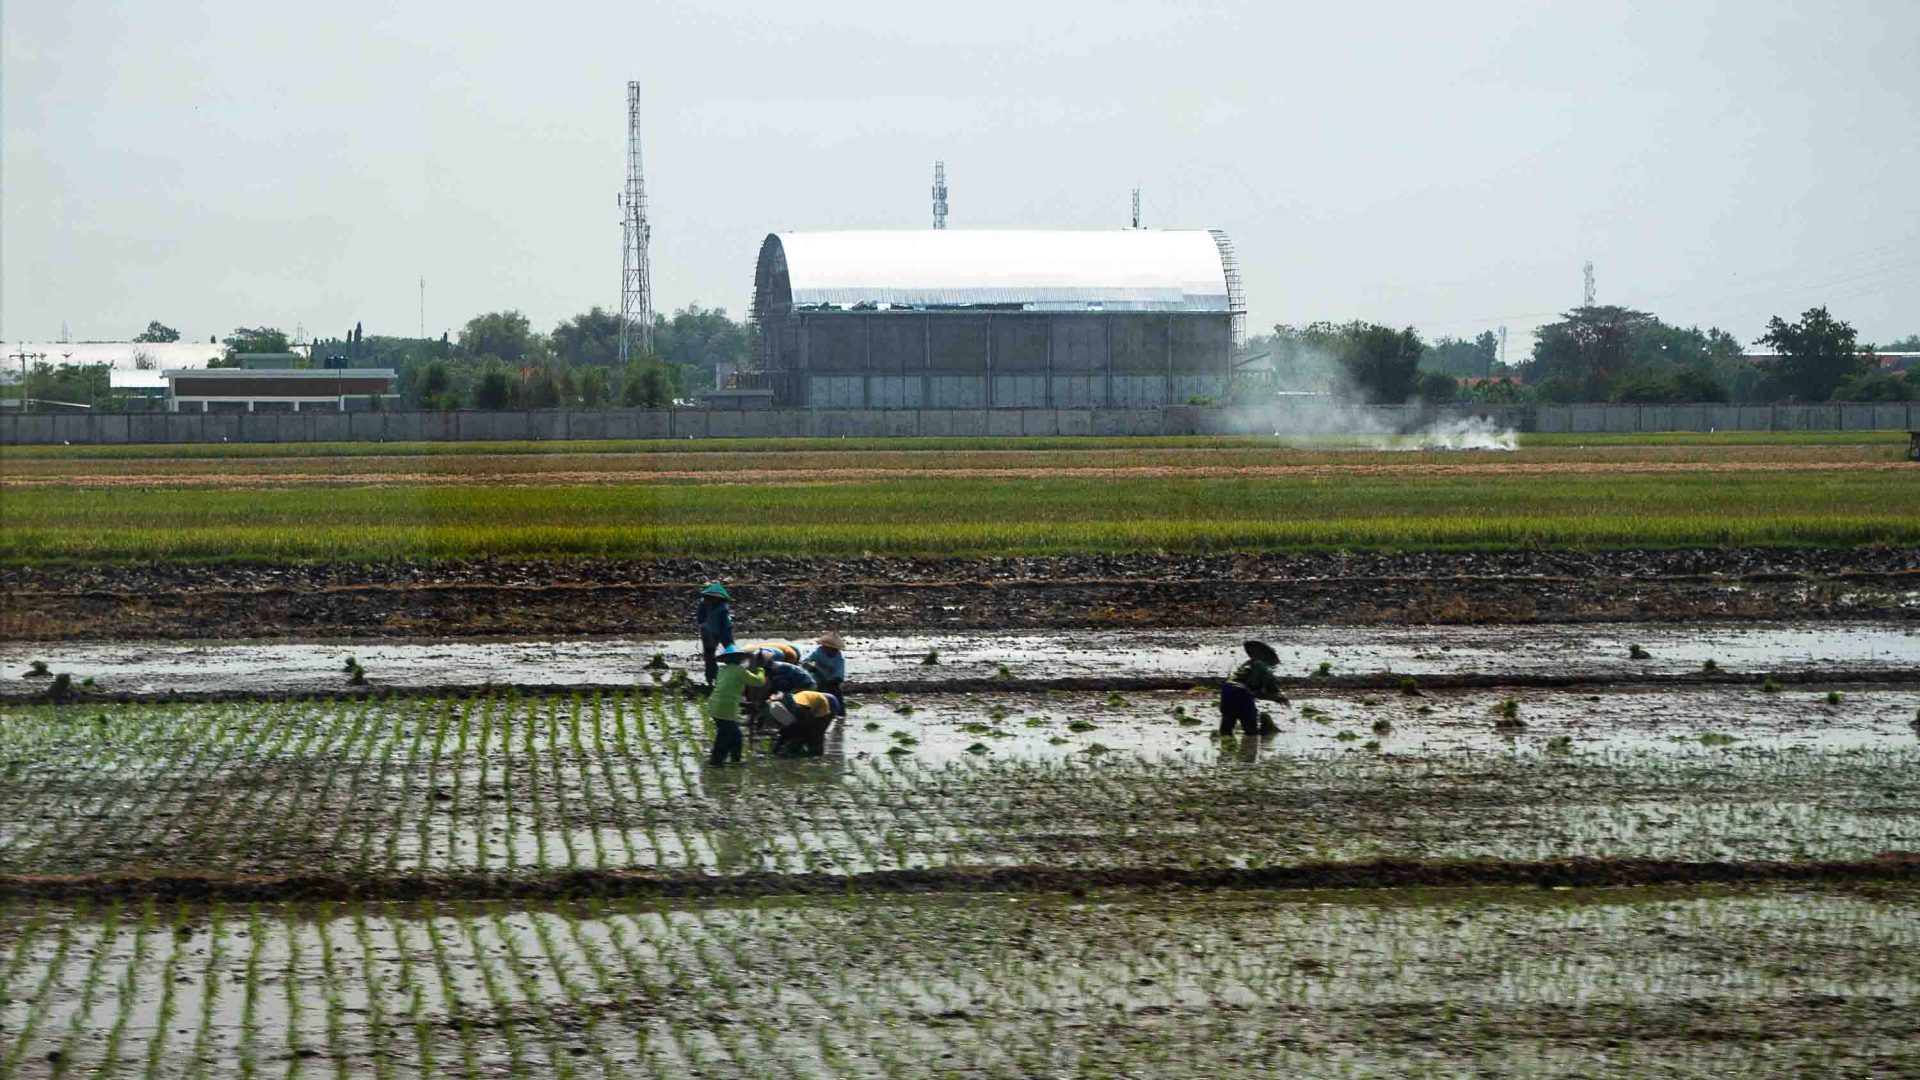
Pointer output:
423, 306
939, 194
636, 278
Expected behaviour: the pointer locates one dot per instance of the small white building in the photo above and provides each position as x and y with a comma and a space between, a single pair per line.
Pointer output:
280, 390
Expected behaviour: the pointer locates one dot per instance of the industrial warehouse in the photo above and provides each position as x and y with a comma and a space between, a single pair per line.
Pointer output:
994, 318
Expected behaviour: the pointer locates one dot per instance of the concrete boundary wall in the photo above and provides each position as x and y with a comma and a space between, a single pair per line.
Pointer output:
1283, 417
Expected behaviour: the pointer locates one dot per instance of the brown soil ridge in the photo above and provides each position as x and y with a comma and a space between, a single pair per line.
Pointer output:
1400, 682
621, 597
1888, 867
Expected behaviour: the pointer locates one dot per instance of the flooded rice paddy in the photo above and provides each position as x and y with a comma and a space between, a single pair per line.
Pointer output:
106, 971
1495, 983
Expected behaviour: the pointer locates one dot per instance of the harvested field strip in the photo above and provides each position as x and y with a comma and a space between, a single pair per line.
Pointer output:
956, 517
1676, 982
828, 474
1018, 444
543, 785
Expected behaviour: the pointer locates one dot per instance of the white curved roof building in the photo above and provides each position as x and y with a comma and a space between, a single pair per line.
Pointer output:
1052, 270
996, 318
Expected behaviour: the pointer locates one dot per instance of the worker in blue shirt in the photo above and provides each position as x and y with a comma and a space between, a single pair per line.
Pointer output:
828, 662
716, 623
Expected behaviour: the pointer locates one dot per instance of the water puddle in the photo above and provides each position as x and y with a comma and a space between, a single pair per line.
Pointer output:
1586, 649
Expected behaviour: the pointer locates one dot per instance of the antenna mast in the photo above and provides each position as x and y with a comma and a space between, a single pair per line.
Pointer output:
1136, 208
939, 194
1588, 294
636, 279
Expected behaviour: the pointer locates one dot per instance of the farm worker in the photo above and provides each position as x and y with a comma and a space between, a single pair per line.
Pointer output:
1251, 680
785, 678
803, 719
716, 623
828, 662
778, 650
739, 669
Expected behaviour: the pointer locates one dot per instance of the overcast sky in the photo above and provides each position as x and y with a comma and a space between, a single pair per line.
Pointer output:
213, 163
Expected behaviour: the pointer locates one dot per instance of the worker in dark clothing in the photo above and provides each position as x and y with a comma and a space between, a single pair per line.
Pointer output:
1251, 681
716, 623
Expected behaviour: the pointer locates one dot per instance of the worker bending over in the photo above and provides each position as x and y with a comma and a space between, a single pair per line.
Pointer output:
1251, 681
803, 719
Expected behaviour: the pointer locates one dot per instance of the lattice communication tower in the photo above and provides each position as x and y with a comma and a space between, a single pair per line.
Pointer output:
636, 276
939, 194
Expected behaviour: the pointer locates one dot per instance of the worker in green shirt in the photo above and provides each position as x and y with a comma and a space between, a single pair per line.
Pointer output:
738, 670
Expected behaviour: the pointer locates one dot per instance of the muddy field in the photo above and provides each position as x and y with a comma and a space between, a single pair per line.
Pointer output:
988, 875
1768, 981
600, 597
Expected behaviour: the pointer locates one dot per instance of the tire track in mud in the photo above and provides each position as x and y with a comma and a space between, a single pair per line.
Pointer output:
1893, 867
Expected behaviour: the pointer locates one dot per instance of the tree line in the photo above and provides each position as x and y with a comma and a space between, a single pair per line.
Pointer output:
1596, 353
496, 361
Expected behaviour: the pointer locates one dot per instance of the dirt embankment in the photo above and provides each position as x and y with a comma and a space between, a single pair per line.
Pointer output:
583, 597
1892, 867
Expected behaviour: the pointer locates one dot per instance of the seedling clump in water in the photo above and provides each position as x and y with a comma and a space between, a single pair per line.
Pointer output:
1637, 653
932, 659
1382, 726
1509, 718
1410, 686
1711, 667
1324, 670
1835, 697
37, 669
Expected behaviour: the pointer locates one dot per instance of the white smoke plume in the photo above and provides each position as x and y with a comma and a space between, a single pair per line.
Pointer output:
1318, 408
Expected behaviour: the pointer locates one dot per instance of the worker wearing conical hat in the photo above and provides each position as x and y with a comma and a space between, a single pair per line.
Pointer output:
1251, 681
716, 623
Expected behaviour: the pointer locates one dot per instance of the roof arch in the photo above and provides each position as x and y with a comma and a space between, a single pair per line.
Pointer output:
1018, 269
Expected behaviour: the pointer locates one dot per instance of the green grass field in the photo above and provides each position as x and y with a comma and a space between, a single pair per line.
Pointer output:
968, 516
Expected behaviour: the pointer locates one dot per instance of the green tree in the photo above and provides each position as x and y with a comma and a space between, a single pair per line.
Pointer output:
255, 339
505, 336
1910, 343
593, 387
591, 339
1877, 386
1376, 363
541, 388
647, 385
1816, 354
1437, 387
1467, 359
436, 387
696, 339
157, 332
1585, 352
494, 390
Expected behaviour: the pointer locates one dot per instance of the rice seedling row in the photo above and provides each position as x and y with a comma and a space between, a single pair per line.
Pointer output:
534, 785
1494, 982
